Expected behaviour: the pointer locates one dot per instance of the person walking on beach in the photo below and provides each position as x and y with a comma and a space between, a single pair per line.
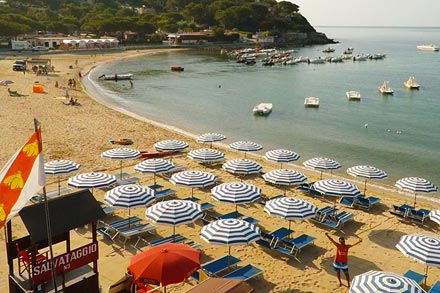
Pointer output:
340, 261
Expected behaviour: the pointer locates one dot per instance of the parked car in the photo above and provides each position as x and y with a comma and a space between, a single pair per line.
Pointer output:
19, 65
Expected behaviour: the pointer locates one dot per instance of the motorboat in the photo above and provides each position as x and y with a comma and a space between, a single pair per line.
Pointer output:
411, 84
318, 60
116, 77
301, 59
377, 56
262, 109
353, 95
328, 50
360, 57
427, 47
349, 51
336, 60
311, 102
385, 88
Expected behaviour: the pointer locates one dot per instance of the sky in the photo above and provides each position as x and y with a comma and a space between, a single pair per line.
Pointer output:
370, 12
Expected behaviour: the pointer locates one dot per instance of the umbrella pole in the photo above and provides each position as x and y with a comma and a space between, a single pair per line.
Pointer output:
236, 210
154, 178
128, 217
426, 277
415, 199
59, 186
174, 232
321, 175
365, 188
289, 224
192, 193
120, 177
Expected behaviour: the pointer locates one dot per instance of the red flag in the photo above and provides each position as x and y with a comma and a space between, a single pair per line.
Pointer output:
21, 178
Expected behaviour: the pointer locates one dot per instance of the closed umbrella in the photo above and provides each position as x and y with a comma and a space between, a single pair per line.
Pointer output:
423, 248
210, 138
193, 179
206, 155
174, 212
245, 146
121, 154
230, 232
290, 208
60, 167
383, 282
242, 167
322, 164
366, 172
236, 193
154, 166
415, 185
284, 177
334, 187
91, 180
281, 156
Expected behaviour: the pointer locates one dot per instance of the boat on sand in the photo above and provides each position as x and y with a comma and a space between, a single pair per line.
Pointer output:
122, 141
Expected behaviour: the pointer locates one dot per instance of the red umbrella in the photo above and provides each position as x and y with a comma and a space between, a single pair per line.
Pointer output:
165, 264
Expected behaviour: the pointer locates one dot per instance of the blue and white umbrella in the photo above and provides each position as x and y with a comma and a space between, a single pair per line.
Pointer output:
383, 282
435, 216
236, 193
210, 138
230, 232
415, 185
193, 179
242, 167
281, 156
422, 248
174, 212
366, 172
245, 146
206, 155
129, 196
322, 164
334, 187
285, 177
290, 208
91, 180
170, 145
154, 166
121, 154
60, 167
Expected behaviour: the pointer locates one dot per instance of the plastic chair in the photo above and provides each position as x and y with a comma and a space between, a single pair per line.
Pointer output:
25, 260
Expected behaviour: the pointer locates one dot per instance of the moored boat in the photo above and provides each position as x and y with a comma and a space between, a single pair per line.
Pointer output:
386, 89
353, 95
411, 84
427, 47
311, 102
262, 109
328, 50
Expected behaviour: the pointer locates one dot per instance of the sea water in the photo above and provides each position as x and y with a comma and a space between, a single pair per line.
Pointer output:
399, 134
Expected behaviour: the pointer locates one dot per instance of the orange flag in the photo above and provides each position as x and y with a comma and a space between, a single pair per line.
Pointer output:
21, 178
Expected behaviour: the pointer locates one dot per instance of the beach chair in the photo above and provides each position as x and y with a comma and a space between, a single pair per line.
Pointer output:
366, 202
323, 212
418, 216
213, 268
162, 194
337, 221
132, 231
300, 242
417, 277
130, 180
435, 288
347, 201
250, 220
231, 215
110, 229
193, 199
176, 238
120, 176
400, 211
155, 187
39, 197
206, 206
264, 200
244, 273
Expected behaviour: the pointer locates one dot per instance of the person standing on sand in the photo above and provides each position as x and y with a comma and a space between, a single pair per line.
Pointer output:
340, 261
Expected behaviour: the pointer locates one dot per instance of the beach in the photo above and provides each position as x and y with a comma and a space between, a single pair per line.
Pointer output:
81, 133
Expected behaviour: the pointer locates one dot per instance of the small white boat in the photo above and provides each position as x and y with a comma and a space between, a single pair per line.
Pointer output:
262, 109
311, 102
336, 60
353, 95
349, 50
117, 77
427, 47
360, 57
318, 60
301, 59
385, 88
411, 84
328, 50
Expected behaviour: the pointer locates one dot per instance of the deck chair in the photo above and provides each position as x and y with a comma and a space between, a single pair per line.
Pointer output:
132, 231
231, 215
417, 277
324, 212
301, 241
435, 288
244, 273
366, 202
400, 211
25, 260
418, 216
176, 238
347, 201
218, 265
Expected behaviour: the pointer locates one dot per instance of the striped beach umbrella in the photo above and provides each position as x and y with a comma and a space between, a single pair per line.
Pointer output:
242, 167
206, 155
236, 193
366, 172
60, 167
334, 187
415, 185
210, 138
129, 196
383, 282
174, 212
154, 166
435, 216
281, 156
290, 208
322, 164
91, 180
230, 232
284, 177
193, 179
170, 145
121, 154
245, 146
422, 248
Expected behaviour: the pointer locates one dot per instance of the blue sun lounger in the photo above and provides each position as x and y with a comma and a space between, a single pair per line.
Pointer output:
400, 211
216, 266
337, 221
435, 288
291, 247
417, 277
244, 273
366, 202
176, 238
418, 216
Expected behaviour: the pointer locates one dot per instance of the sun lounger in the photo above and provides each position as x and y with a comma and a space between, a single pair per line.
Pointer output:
132, 231
337, 221
39, 197
250, 220
231, 215
160, 195
400, 211
347, 201
435, 288
206, 206
130, 180
110, 229
155, 186
122, 175
176, 238
244, 273
366, 202
324, 212
309, 190
292, 246
264, 200
190, 198
418, 216
213, 268
417, 277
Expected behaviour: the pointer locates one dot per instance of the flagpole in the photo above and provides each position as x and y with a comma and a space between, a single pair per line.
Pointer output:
46, 208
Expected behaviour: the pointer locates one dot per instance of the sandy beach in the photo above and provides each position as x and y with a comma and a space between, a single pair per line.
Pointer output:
81, 133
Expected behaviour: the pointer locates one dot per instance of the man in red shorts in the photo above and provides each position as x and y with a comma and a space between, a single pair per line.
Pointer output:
341, 257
